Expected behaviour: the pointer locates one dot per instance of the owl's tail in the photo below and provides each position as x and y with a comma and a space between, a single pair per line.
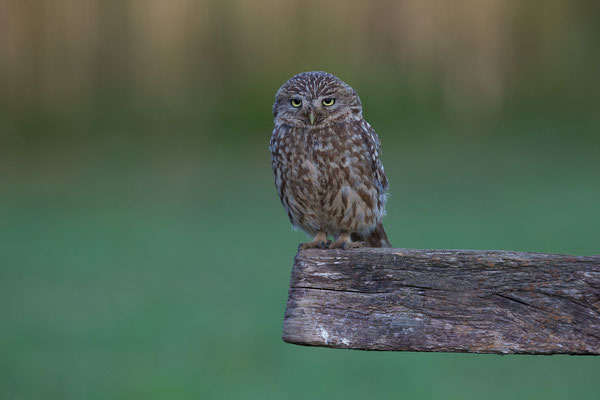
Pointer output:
377, 238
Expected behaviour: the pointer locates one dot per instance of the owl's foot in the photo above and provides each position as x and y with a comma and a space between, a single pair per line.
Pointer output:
344, 242
319, 242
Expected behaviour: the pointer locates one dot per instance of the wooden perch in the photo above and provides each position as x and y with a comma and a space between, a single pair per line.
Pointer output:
445, 300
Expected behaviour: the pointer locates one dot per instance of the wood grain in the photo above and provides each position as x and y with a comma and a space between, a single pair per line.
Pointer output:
445, 300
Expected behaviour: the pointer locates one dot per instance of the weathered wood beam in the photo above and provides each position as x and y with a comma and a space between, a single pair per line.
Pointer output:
445, 300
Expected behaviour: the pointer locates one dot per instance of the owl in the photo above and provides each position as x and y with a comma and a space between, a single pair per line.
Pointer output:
326, 163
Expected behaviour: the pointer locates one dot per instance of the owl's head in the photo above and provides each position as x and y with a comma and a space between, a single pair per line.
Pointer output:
316, 99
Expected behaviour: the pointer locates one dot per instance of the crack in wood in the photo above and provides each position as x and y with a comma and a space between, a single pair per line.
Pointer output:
507, 297
336, 290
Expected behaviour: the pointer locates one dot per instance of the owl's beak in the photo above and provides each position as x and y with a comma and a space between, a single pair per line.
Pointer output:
311, 117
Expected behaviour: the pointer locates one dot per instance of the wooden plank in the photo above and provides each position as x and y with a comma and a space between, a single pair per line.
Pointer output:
445, 300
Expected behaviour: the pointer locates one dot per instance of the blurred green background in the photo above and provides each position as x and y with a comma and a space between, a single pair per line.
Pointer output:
144, 252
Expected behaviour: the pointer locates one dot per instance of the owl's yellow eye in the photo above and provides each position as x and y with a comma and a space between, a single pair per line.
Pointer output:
296, 103
328, 102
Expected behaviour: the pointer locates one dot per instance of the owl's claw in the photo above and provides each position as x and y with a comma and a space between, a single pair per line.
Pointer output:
310, 245
344, 242
345, 245
320, 242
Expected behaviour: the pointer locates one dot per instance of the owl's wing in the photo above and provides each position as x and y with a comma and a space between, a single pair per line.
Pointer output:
371, 139
276, 162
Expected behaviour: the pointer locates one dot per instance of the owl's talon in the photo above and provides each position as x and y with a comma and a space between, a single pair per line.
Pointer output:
319, 242
344, 243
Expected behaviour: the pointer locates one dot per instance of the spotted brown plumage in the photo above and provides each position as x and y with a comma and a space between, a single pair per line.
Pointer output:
326, 163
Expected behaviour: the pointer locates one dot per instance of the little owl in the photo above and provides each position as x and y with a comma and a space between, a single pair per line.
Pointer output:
326, 164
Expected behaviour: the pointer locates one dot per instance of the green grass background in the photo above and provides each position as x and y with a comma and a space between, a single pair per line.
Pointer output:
164, 274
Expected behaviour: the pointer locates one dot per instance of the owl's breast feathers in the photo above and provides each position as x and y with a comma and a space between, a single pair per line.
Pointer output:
330, 179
